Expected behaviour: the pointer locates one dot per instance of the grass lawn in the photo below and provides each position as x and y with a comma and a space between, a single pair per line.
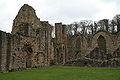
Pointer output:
64, 73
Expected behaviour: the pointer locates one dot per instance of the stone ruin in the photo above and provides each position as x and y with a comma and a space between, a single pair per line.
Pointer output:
30, 45
99, 50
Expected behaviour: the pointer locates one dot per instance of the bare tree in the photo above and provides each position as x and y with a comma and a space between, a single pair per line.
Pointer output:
75, 27
112, 26
95, 27
116, 19
69, 30
104, 24
83, 26
91, 27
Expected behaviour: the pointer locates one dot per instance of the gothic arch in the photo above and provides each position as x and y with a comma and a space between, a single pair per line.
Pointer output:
101, 43
107, 38
80, 42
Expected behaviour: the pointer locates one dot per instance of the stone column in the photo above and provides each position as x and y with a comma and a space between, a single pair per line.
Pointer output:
58, 32
3, 52
64, 38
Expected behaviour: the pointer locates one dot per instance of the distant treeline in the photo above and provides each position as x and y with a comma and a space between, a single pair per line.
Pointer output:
87, 27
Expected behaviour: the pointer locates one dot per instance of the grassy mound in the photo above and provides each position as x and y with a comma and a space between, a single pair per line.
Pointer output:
64, 73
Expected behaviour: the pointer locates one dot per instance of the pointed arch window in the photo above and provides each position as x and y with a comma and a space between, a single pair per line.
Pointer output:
101, 43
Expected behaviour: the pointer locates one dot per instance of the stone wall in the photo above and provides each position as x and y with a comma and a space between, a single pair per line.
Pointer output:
98, 50
5, 51
103, 50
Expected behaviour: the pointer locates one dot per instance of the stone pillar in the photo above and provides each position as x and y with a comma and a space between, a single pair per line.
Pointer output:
11, 66
64, 34
3, 52
49, 41
61, 43
58, 32
9, 39
64, 38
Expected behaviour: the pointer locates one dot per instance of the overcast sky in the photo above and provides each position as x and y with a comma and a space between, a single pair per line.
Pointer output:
65, 11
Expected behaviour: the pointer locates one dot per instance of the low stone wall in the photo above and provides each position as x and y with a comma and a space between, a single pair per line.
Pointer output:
98, 59
93, 63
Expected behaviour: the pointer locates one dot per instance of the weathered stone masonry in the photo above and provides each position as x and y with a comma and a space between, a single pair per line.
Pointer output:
99, 50
30, 45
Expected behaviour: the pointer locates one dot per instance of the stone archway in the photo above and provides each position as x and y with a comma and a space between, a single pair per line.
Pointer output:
78, 47
106, 37
101, 43
80, 43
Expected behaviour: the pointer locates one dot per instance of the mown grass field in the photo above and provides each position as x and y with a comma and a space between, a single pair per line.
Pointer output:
64, 73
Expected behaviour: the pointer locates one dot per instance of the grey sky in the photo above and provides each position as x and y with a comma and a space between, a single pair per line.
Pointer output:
65, 11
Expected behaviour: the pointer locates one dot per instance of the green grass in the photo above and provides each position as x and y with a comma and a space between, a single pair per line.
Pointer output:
64, 73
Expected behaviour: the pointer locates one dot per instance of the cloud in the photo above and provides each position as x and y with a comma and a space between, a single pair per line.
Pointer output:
65, 11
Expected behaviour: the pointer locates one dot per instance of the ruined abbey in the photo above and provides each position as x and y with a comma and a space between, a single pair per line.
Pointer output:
30, 45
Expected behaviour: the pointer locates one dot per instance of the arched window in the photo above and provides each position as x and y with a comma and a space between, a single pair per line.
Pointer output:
101, 43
